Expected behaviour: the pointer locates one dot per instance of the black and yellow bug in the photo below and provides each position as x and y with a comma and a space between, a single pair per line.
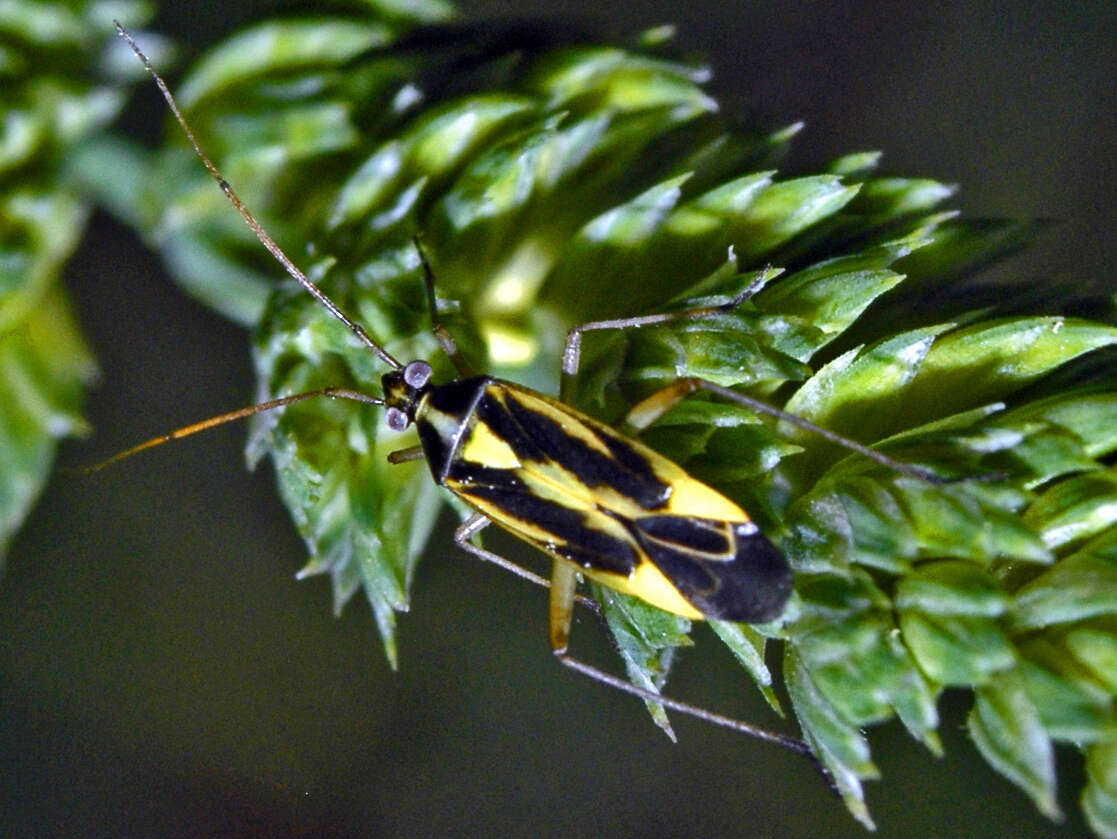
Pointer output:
595, 500
598, 502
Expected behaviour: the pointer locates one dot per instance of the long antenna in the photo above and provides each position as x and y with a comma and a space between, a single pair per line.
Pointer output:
250, 219
232, 416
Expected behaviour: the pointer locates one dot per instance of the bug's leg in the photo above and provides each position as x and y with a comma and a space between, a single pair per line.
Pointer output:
478, 522
650, 409
572, 350
474, 525
406, 455
788, 742
564, 583
449, 345
564, 586
564, 579
647, 411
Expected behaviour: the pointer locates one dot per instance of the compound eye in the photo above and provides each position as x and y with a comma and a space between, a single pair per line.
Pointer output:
417, 374
396, 419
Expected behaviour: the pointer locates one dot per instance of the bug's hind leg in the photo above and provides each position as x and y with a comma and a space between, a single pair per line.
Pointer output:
566, 598
647, 411
564, 586
740, 726
644, 413
563, 582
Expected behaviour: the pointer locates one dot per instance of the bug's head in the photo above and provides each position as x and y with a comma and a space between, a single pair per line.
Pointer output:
402, 391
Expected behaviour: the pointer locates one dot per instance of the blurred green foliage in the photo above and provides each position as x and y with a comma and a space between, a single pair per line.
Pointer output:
61, 89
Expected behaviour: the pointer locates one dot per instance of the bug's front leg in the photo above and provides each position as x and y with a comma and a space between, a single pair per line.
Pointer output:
445, 339
572, 350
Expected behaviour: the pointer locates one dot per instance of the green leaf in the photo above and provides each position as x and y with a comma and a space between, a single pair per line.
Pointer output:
828, 297
891, 521
1088, 415
278, 46
960, 248
785, 209
1096, 650
1099, 799
856, 164
1074, 509
425, 154
863, 388
1073, 709
839, 746
895, 197
1080, 586
1007, 729
747, 646
863, 651
646, 640
983, 362
951, 588
956, 649
365, 520
44, 367
933, 372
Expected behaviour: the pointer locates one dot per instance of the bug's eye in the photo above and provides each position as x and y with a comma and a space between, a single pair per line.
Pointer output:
417, 374
396, 419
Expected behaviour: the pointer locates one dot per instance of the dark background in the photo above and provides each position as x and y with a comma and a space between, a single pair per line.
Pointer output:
162, 673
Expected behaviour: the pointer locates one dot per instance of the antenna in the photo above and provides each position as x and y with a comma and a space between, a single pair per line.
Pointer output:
232, 416
250, 219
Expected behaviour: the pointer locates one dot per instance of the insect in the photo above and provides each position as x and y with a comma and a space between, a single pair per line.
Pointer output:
598, 502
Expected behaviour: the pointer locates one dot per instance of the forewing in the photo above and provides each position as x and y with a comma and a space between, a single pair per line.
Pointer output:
726, 570
541, 513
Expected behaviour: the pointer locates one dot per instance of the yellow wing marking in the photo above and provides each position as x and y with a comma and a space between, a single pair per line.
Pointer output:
649, 584
483, 446
689, 496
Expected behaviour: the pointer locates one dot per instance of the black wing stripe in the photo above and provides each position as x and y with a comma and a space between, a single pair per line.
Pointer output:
435, 448
626, 471
702, 536
585, 545
628, 457
750, 587
491, 412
